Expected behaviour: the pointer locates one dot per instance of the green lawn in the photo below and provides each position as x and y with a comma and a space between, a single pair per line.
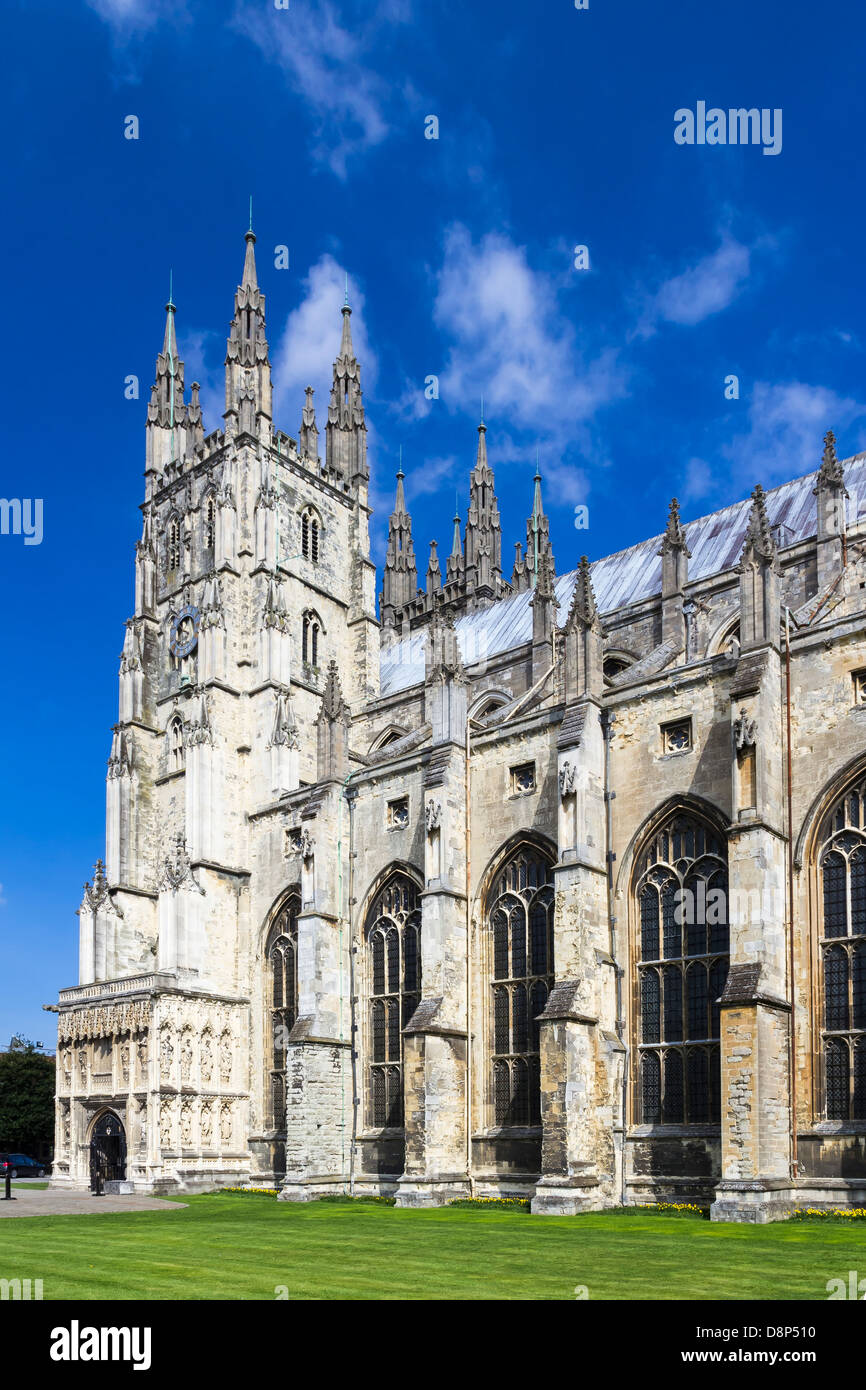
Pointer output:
241, 1247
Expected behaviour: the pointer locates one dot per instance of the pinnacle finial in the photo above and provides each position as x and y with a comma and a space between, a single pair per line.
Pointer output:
251, 212
346, 299
583, 606
759, 536
675, 535
830, 473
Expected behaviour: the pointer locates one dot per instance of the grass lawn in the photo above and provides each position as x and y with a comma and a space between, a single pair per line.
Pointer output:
242, 1247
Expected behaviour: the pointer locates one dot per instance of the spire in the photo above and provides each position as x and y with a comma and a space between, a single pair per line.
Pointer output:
520, 573
483, 530
346, 447
400, 577
434, 573
309, 440
248, 368
167, 415
454, 563
249, 281
537, 533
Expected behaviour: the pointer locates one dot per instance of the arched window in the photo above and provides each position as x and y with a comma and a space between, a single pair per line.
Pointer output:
842, 937
176, 751
209, 529
520, 923
681, 896
172, 545
281, 952
310, 633
311, 529
393, 934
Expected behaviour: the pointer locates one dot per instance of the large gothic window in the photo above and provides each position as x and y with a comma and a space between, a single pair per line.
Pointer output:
394, 991
520, 923
681, 894
842, 869
282, 986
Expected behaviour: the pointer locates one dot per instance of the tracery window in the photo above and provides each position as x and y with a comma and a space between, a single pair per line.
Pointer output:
172, 545
310, 632
176, 751
282, 957
842, 869
681, 892
520, 917
209, 536
310, 535
394, 972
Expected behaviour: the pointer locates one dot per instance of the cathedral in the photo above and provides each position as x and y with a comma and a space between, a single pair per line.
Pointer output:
539, 885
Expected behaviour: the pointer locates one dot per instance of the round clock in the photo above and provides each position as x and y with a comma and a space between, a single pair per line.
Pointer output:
184, 632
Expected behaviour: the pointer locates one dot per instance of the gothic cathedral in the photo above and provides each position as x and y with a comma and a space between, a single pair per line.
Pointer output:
549, 886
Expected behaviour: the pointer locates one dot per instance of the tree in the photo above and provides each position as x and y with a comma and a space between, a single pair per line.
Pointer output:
26, 1097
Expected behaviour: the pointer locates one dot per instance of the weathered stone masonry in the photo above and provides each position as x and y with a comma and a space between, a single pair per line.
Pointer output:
504, 890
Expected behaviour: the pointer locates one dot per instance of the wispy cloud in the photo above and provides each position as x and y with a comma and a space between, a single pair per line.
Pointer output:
337, 70
305, 351
786, 424
130, 22
706, 287
507, 338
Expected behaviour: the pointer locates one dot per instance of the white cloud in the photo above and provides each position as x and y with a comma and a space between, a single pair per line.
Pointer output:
132, 17
706, 287
787, 423
331, 68
510, 342
305, 353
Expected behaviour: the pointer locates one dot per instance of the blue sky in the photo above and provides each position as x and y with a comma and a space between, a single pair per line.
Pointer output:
555, 130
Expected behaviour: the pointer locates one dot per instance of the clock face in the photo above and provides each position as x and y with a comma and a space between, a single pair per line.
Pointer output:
184, 632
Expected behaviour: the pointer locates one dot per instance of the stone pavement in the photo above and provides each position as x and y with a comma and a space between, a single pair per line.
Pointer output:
61, 1202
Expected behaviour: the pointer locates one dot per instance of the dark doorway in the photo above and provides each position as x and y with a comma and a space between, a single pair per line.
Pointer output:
107, 1151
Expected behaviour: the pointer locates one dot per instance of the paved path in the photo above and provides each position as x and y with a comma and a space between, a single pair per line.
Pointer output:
58, 1201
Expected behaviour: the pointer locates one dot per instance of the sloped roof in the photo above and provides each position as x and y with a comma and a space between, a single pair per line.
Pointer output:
716, 542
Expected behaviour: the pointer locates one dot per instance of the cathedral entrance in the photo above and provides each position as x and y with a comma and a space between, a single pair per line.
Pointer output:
107, 1151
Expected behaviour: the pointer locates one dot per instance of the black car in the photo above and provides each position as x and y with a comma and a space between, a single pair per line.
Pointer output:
21, 1166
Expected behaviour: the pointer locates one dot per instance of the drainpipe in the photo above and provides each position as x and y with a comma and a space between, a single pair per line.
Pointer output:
348, 917
791, 981
468, 972
608, 719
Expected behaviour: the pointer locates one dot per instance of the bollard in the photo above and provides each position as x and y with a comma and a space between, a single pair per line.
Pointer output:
7, 1197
